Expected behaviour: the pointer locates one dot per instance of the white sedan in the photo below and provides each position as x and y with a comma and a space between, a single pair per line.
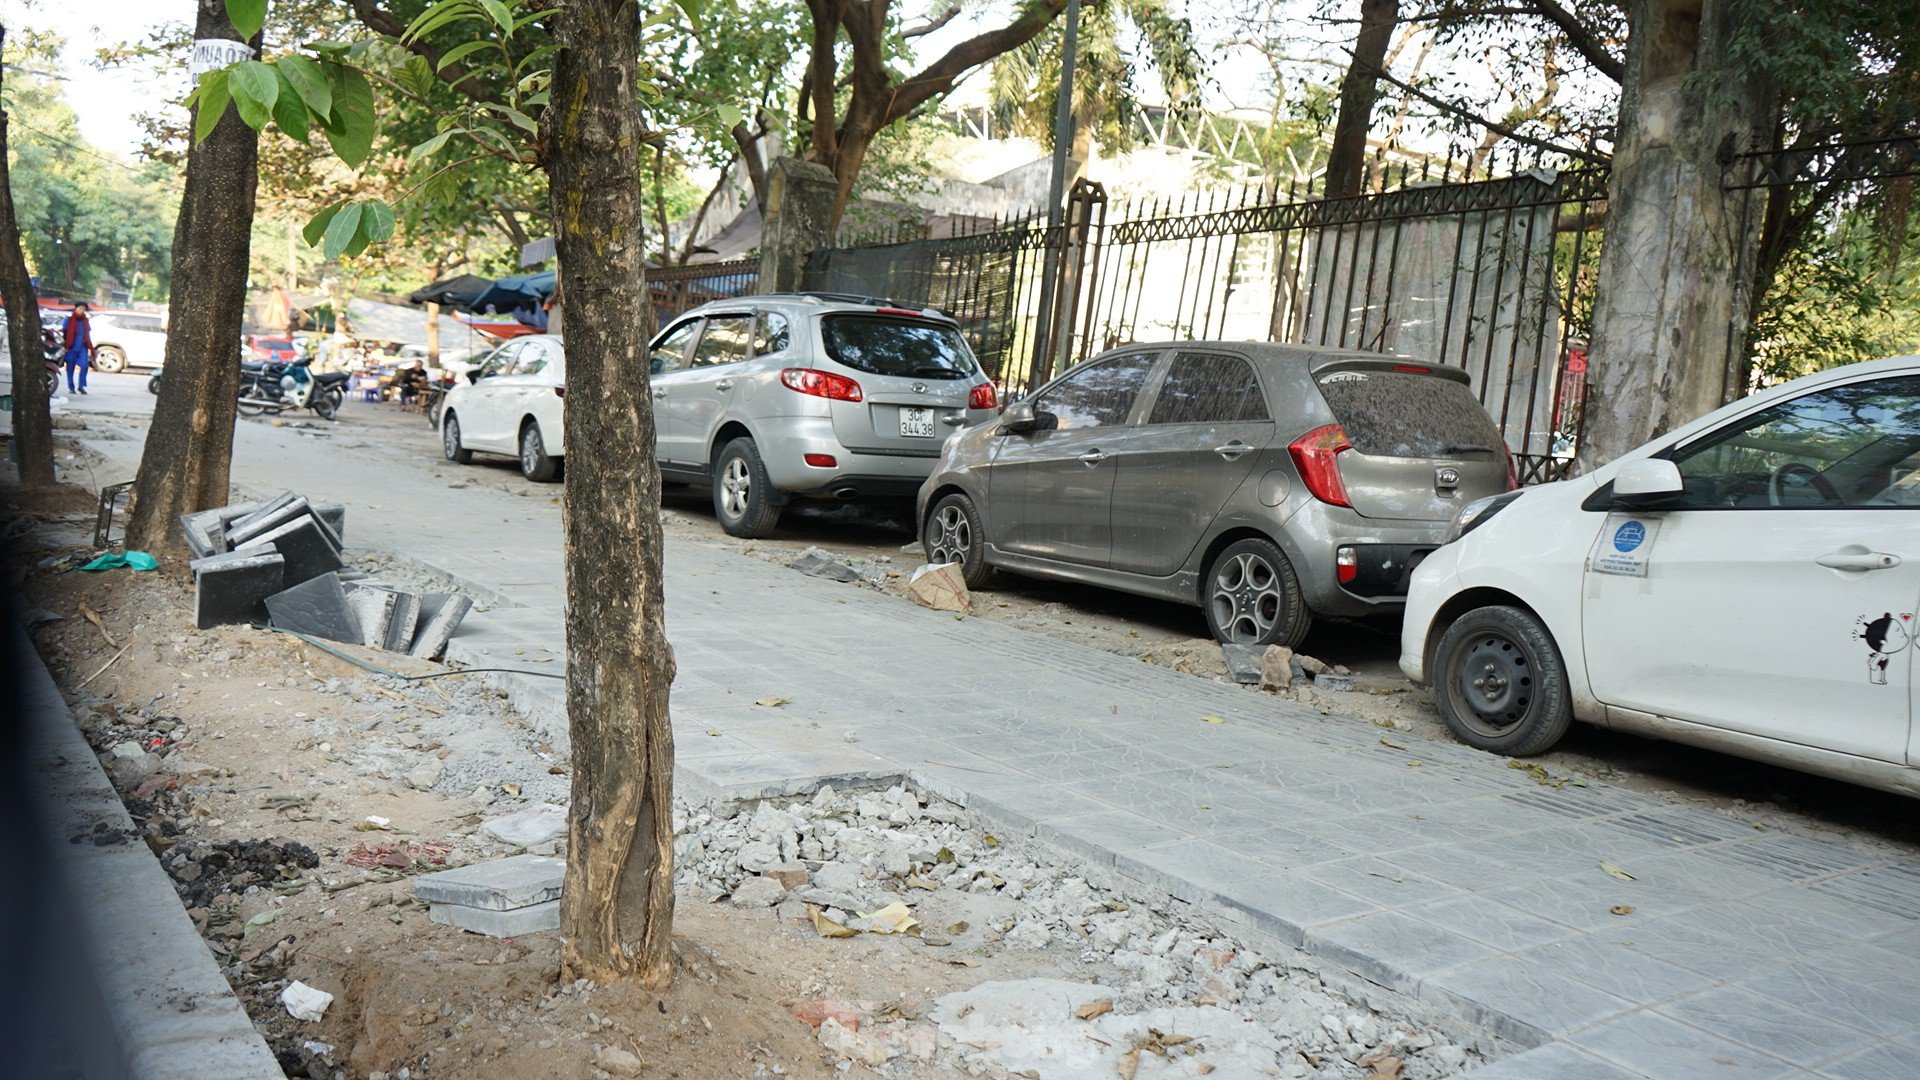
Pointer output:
512, 406
1747, 583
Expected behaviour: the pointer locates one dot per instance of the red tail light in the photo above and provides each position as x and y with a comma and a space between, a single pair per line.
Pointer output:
1513, 476
982, 397
1412, 369
1346, 563
1315, 454
821, 384
560, 391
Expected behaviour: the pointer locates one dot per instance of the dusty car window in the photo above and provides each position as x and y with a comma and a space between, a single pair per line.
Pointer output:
906, 347
1392, 414
1852, 445
1208, 388
725, 341
1098, 395
671, 353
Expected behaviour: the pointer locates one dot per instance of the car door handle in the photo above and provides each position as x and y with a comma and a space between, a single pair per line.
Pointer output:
1858, 560
723, 384
1232, 450
1093, 457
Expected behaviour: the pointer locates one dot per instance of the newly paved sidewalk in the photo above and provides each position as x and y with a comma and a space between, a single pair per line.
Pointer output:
1427, 868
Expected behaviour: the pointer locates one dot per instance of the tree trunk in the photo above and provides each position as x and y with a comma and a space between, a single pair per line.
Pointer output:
1346, 160
1673, 293
616, 911
185, 464
32, 421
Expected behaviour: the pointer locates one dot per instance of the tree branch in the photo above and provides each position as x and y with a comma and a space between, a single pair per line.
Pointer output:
1492, 125
1582, 38
943, 74
384, 22
934, 22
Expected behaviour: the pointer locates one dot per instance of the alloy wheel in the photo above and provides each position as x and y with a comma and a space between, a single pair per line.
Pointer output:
952, 536
1246, 598
530, 450
450, 438
736, 486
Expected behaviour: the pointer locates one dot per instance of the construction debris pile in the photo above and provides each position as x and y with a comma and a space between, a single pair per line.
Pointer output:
279, 562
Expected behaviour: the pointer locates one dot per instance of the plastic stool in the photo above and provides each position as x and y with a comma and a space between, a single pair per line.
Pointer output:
371, 393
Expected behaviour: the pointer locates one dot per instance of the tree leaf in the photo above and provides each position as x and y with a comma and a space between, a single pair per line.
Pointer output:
255, 88
432, 146
317, 225
729, 114
341, 231
694, 10
376, 221
213, 95
501, 17
352, 126
1614, 871
437, 15
247, 16
289, 111
310, 82
460, 52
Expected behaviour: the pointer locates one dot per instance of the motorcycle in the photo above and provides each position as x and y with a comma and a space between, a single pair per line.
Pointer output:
55, 358
271, 386
153, 383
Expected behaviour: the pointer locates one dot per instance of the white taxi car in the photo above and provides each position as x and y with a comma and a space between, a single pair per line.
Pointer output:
511, 405
1747, 583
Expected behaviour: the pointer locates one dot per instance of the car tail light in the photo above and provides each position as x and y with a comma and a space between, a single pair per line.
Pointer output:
821, 461
1316, 455
560, 391
821, 384
909, 312
982, 397
1346, 563
1513, 476
1412, 369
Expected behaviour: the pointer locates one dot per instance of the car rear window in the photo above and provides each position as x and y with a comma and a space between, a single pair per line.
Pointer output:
1390, 414
905, 347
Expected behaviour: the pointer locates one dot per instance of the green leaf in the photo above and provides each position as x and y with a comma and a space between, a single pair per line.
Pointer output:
247, 16
694, 10
317, 225
213, 95
359, 242
330, 48
310, 82
729, 115
351, 128
431, 146
456, 54
341, 231
289, 111
376, 221
255, 87
444, 13
498, 12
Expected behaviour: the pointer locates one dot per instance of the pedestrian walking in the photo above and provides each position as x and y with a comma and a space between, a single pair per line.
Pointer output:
77, 337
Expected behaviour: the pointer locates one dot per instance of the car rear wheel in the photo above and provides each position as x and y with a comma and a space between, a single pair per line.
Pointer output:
1252, 596
1501, 684
535, 464
743, 497
450, 442
109, 360
953, 535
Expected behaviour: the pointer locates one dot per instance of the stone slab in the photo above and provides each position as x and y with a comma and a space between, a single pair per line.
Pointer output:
403, 623
334, 516
440, 615
496, 885
203, 532
372, 609
518, 922
233, 588
1243, 662
317, 607
304, 542
277, 511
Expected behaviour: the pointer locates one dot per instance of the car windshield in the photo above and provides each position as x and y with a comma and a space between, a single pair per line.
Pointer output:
903, 346
1391, 414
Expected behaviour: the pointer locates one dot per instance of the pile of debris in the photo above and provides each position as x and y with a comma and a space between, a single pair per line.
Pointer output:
279, 562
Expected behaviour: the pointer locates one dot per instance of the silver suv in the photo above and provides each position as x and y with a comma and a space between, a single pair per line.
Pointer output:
1264, 483
809, 395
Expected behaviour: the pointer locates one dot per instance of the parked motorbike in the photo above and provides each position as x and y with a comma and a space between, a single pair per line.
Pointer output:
55, 358
153, 383
274, 387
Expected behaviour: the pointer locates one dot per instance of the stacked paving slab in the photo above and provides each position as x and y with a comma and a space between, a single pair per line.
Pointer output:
503, 898
279, 562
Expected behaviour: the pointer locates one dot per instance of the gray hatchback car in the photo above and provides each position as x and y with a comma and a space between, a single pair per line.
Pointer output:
1264, 483
809, 395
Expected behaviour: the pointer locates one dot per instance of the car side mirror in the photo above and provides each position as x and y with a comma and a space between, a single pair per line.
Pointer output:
1019, 418
473, 376
1647, 484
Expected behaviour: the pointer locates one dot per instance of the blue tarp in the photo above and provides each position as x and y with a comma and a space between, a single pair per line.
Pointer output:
520, 290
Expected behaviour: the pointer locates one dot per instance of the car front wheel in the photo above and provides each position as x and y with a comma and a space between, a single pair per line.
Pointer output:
1252, 596
1501, 684
450, 442
109, 360
953, 535
535, 463
743, 496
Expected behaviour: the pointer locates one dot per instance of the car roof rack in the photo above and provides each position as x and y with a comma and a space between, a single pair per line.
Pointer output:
856, 298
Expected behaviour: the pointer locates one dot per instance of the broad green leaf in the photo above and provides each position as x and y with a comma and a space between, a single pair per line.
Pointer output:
289, 111
317, 225
376, 221
694, 10
445, 13
310, 82
358, 243
460, 52
247, 16
341, 231
255, 88
432, 146
498, 12
351, 128
729, 115
535, 56
513, 116
213, 95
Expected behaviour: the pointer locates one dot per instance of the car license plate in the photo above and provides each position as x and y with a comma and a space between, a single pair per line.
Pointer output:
916, 423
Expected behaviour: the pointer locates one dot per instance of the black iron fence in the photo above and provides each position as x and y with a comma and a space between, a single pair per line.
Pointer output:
1493, 275
676, 289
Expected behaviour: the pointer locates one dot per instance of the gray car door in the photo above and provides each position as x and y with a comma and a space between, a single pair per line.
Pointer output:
1052, 487
666, 371
705, 392
1201, 435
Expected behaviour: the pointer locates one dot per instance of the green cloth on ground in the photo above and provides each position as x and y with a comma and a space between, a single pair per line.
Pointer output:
138, 560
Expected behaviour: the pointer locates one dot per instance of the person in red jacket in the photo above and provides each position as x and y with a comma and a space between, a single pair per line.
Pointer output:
77, 337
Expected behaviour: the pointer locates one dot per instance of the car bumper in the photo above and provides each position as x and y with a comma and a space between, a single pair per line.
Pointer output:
1433, 584
1313, 537
786, 443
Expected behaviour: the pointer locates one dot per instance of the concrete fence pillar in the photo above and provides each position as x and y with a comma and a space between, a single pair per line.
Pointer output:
799, 220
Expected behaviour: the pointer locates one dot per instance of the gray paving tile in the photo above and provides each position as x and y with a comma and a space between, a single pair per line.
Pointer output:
1668, 1049
1381, 881
1554, 1062
1730, 940
1522, 999
1882, 1062
1800, 1037
1393, 949
1286, 905
1490, 921
1882, 1004
1287, 849
1617, 969
1099, 837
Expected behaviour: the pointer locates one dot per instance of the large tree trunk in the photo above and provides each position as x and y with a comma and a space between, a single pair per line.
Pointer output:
189, 449
1347, 158
616, 911
1672, 298
32, 422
